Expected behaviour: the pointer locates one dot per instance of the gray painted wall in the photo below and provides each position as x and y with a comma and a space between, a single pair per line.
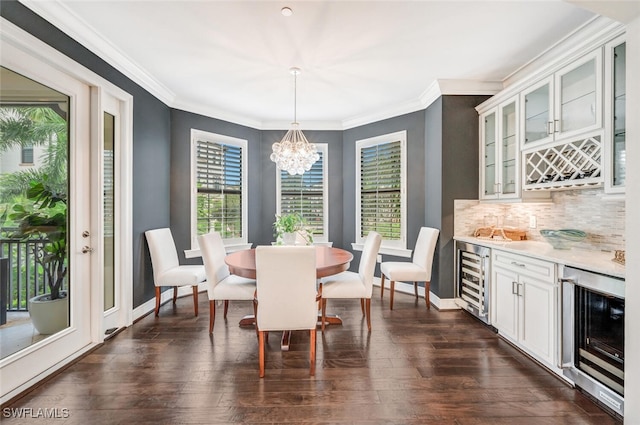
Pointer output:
451, 159
460, 150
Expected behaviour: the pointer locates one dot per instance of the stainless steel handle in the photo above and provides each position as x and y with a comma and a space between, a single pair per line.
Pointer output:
87, 250
514, 288
556, 126
550, 128
499, 187
519, 286
518, 264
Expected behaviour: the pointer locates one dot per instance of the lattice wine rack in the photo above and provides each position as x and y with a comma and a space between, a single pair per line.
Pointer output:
575, 163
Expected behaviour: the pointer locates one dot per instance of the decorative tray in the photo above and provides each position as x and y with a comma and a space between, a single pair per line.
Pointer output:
500, 233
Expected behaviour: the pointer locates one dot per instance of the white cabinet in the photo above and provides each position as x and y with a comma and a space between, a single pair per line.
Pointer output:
615, 115
499, 152
524, 303
564, 104
562, 126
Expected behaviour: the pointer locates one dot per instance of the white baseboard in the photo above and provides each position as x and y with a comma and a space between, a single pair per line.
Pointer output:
167, 295
407, 288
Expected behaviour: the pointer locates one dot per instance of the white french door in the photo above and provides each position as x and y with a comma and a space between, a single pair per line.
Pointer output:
28, 364
98, 182
109, 197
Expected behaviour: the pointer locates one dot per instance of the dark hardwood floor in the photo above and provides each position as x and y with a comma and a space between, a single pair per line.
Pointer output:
415, 367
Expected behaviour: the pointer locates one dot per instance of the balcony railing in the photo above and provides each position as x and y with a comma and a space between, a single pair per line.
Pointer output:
25, 278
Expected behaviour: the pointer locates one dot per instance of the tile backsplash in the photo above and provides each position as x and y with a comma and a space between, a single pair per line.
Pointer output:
587, 209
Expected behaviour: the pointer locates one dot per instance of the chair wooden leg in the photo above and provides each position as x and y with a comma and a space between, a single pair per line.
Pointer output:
195, 299
312, 354
261, 352
368, 312
212, 314
427, 286
382, 286
175, 294
392, 289
226, 308
362, 306
415, 289
324, 312
158, 294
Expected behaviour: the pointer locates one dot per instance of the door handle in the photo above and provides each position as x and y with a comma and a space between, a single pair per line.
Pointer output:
87, 250
514, 288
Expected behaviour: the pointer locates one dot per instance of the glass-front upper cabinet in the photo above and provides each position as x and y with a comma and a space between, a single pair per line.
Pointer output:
510, 149
500, 159
564, 104
615, 115
578, 98
538, 109
488, 123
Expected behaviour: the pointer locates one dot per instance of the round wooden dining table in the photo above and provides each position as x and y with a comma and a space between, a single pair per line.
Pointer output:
329, 261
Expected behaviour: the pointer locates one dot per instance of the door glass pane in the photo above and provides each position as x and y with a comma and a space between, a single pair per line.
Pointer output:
536, 111
490, 154
578, 97
509, 148
108, 203
619, 115
33, 211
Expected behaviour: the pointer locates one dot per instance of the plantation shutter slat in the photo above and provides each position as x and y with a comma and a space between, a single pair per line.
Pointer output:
380, 190
304, 194
219, 187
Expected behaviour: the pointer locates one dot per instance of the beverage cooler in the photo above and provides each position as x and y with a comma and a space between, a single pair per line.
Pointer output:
472, 273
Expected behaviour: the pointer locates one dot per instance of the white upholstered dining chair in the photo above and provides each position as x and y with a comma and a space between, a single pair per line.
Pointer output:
286, 294
221, 284
418, 270
354, 285
167, 270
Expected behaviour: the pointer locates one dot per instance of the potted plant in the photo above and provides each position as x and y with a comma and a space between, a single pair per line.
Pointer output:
288, 226
46, 219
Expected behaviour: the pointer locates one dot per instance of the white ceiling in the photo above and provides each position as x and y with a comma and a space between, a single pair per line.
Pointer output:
360, 60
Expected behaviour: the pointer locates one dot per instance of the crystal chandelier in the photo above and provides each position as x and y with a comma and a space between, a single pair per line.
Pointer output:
294, 153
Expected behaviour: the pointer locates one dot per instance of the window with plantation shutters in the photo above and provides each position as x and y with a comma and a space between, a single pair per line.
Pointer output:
380, 188
307, 194
220, 201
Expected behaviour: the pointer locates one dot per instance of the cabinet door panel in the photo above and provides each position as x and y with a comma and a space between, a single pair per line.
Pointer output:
509, 149
538, 318
490, 154
505, 306
537, 120
579, 96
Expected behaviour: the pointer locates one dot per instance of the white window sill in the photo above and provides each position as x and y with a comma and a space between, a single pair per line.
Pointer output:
195, 253
396, 252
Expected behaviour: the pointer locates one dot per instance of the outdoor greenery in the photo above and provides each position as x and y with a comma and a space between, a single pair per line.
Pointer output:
45, 219
33, 200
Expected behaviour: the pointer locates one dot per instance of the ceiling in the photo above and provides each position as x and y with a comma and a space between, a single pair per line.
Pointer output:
361, 60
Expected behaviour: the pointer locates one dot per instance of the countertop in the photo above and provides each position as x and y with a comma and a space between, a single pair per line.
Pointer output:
596, 261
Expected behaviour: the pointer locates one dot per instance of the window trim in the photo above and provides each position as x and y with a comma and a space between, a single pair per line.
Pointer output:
399, 247
324, 149
196, 135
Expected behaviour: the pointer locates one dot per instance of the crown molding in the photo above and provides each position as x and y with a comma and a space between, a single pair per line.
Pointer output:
390, 112
584, 39
59, 15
